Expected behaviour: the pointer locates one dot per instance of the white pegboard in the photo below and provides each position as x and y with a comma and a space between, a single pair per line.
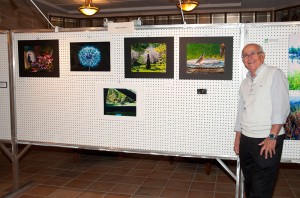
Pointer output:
176, 119
274, 38
5, 126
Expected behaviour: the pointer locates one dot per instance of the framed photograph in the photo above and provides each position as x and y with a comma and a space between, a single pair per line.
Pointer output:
205, 58
294, 63
38, 58
120, 101
292, 125
150, 57
90, 57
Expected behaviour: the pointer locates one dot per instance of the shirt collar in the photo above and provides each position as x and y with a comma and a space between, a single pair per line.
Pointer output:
257, 72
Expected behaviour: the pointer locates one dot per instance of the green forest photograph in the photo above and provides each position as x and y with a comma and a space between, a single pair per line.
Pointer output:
119, 102
148, 57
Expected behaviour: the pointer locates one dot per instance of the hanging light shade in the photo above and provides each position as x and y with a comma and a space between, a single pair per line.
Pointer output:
187, 5
88, 9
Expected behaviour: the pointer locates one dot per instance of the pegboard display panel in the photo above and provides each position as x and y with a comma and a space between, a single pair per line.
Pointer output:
5, 127
274, 38
176, 119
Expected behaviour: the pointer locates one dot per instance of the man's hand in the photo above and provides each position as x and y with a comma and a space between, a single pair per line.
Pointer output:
268, 147
236, 146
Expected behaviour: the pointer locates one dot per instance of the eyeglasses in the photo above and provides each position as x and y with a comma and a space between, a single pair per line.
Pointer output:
252, 54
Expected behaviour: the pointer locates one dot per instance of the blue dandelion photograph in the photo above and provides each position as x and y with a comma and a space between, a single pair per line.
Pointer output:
90, 56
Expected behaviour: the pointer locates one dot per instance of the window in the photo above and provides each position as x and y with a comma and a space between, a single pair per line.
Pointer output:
263, 17
218, 18
57, 21
70, 23
248, 17
148, 20
161, 20
97, 22
294, 14
122, 19
85, 22
204, 18
285, 14
232, 17
175, 19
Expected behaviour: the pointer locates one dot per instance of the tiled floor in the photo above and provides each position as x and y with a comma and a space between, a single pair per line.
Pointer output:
53, 172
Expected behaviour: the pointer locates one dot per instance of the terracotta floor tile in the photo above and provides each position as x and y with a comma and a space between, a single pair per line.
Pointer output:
118, 171
89, 176
111, 178
155, 182
69, 174
125, 188
145, 166
174, 193
91, 194
132, 180
142, 196
79, 184
129, 175
186, 169
49, 171
161, 174
113, 195
140, 172
205, 178
203, 186
224, 195
65, 192
182, 176
5, 185
293, 183
41, 190
57, 181
201, 170
37, 178
164, 167
30, 196
101, 186
292, 176
225, 179
200, 194
98, 169
149, 191
282, 183
226, 188
80, 167
283, 192
296, 192
179, 184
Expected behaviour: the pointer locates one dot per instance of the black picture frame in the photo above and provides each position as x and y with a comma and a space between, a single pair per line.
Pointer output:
90, 57
192, 58
38, 58
162, 57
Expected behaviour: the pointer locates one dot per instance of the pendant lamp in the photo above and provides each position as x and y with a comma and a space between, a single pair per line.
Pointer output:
88, 9
187, 5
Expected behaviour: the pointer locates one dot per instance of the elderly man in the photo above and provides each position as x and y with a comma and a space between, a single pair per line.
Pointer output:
263, 109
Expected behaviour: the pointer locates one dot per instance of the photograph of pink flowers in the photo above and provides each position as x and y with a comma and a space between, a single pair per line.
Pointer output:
38, 58
87, 57
292, 125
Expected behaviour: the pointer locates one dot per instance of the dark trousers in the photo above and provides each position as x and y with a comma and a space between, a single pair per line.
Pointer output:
260, 174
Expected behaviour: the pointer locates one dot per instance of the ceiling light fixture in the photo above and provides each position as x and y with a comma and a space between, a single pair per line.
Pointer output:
187, 5
87, 9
